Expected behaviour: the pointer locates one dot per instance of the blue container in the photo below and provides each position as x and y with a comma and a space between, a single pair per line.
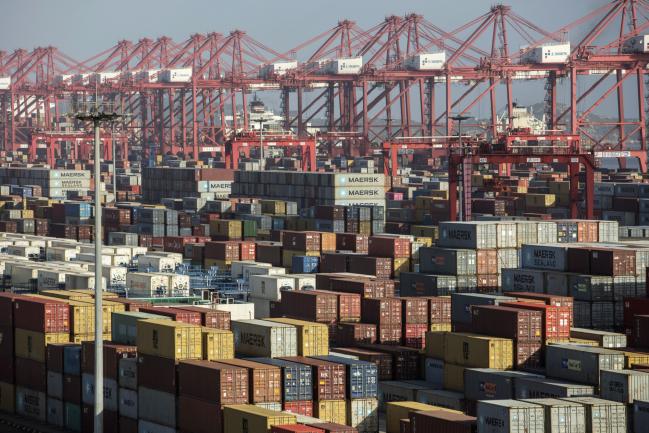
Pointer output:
305, 264
296, 378
72, 360
78, 210
362, 376
278, 223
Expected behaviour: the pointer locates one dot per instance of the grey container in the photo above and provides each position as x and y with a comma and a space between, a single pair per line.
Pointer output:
124, 325
434, 372
55, 415
625, 386
545, 257
54, 384
128, 400
397, 390
606, 339
640, 414
461, 304
127, 371
591, 287
255, 337
442, 398
580, 363
562, 416
603, 416
473, 235
157, 406
625, 287
416, 284
523, 280
510, 416
447, 261
491, 383
556, 283
530, 387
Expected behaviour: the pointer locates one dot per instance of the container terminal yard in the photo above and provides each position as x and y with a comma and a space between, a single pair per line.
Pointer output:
378, 255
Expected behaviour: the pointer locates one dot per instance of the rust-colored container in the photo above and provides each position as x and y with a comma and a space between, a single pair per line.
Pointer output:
556, 320
157, 373
211, 318
587, 231
222, 250
349, 306
578, 259
41, 315
382, 360
558, 301
388, 246
487, 283
355, 242
382, 311
389, 334
439, 309
269, 252
301, 407
247, 250
612, 262
506, 322
350, 334
184, 316
414, 310
405, 360
441, 421
31, 374
72, 388
327, 241
7, 309
213, 382
414, 335
380, 267
486, 261
334, 262
528, 355
113, 352
329, 427
311, 305
265, 380
328, 378
301, 241
366, 287
199, 416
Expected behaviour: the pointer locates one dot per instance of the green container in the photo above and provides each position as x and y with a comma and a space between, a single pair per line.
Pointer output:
72, 417
249, 229
124, 325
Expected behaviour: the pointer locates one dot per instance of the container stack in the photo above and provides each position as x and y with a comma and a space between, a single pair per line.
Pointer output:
195, 184
51, 183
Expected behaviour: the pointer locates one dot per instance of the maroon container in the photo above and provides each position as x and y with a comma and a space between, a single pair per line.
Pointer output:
300, 407
330, 212
31, 374
389, 334
329, 427
265, 380
380, 267
355, 242
350, 334
389, 246
349, 306
579, 260
328, 378
7, 361
414, 335
528, 355
404, 426
641, 331
211, 318
367, 287
199, 416
213, 382
54, 356
506, 322
414, 311
41, 315
382, 311
7, 309
439, 309
441, 421
176, 244
634, 307
311, 305
127, 425
113, 352
382, 360
556, 300
405, 360
157, 373
222, 250
269, 252
301, 241
334, 262
176, 314
72, 389
110, 418
612, 262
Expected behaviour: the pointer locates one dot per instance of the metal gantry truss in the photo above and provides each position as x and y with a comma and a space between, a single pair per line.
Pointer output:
382, 102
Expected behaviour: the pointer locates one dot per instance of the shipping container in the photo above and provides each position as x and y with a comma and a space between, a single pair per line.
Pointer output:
472, 350
312, 338
496, 416
264, 338
562, 416
396, 411
533, 387
492, 384
213, 381
248, 418
265, 381
362, 376
217, 344
167, 339
441, 421
383, 361
296, 379
124, 325
579, 363
328, 378
334, 411
624, 386
461, 305
603, 415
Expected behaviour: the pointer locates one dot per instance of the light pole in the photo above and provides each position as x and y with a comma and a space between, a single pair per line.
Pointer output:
112, 145
97, 117
459, 118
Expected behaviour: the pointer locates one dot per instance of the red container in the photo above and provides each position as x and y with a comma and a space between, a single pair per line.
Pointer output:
199, 416
157, 373
556, 300
612, 262
441, 421
349, 306
31, 374
414, 311
405, 360
116, 216
222, 250
350, 334
389, 334
414, 335
528, 355
113, 352
328, 378
380, 267
185, 316
556, 320
311, 305
439, 309
301, 241
265, 380
329, 427
247, 250
176, 244
382, 311
334, 262
355, 242
303, 407
41, 315
514, 323
295, 428
367, 287
389, 246
634, 307
214, 382
211, 318
382, 360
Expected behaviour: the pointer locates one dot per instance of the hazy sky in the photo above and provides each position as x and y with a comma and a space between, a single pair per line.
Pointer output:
82, 28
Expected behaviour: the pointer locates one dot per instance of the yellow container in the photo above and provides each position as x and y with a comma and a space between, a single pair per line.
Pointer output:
91, 293
168, 339
273, 207
31, 345
435, 344
584, 342
327, 241
7, 397
453, 377
365, 228
631, 358
247, 418
229, 229
400, 265
68, 295
82, 317
217, 344
424, 240
80, 338
478, 351
312, 338
540, 200
331, 411
397, 410
440, 327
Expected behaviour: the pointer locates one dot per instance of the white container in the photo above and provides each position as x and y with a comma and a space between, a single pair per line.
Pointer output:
510, 416
151, 263
61, 254
81, 79
264, 338
277, 68
147, 285
127, 403
88, 391
90, 258
50, 279
262, 307
304, 281
23, 251
236, 268
559, 53
637, 44
180, 75
355, 180
54, 384
114, 275
261, 269
238, 310
346, 66
82, 281
178, 285
104, 77
426, 61
149, 76
5, 83
270, 286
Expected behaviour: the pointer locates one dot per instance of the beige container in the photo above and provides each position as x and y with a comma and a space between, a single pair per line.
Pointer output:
217, 344
245, 418
398, 410
331, 411
312, 338
31, 345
